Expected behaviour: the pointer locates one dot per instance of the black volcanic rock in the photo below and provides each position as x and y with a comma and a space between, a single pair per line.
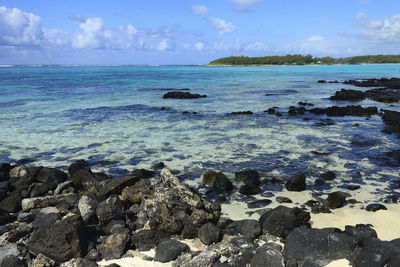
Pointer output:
336, 111
281, 220
375, 207
182, 95
348, 95
296, 183
169, 250
317, 246
209, 233
222, 184
61, 241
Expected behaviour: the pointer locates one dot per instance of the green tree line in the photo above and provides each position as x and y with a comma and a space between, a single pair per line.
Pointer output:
305, 60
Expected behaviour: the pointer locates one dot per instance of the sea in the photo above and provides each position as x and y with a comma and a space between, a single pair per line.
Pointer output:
115, 117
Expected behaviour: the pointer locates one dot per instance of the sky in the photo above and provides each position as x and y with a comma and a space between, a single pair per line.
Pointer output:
192, 31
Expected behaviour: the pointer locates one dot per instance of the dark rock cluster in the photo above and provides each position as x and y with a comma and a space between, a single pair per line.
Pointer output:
83, 217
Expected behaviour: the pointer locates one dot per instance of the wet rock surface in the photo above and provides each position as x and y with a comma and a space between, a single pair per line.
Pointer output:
182, 95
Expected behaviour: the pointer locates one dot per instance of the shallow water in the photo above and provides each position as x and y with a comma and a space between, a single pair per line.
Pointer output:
115, 117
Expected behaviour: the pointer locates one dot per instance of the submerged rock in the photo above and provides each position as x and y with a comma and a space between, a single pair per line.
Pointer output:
209, 177
222, 184
335, 111
348, 95
182, 95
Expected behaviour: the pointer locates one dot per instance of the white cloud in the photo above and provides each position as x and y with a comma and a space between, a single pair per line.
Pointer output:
257, 46
19, 28
232, 46
197, 47
315, 38
92, 35
247, 2
222, 26
165, 45
200, 10
360, 16
383, 31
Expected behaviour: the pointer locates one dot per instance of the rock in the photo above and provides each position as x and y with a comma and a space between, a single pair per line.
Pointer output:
375, 207
43, 261
7, 249
392, 120
348, 95
87, 207
182, 95
170, 205
362, 231
329, 175
261, 203
382, 95
44, 221
79, 262
4, 171
204, 259
209, 233
241, 113
249, 177
335, 111
109, 209
12, 261
114, 245
169, 250
249, 190
222, 184
281, 220
296, 183
18, 172
270, 111
248, 228
116, 185
61, 241
321, 81
42, 202
93, 255
375, 252
143, 173
86, 182
318, 246
26, 217
267, 257
51, 177
134, 194
39, 190
12, 203
335, 200
209, 177
77, 166
280, 199
5, 217
114, 226
147, 239
60, 187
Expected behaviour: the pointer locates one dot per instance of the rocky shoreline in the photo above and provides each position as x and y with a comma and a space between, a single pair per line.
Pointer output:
51, 218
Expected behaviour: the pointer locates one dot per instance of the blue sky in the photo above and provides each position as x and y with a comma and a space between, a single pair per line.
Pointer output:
192, 31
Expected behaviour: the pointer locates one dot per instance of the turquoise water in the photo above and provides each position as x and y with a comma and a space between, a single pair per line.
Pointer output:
115, 117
